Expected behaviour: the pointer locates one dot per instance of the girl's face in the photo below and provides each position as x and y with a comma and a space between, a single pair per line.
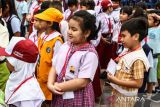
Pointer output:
75, 33
36, 23
123, 16
151, 20
6, 11
128, 40
41, 24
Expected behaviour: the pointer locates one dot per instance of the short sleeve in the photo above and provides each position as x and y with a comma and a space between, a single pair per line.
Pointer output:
89, 66
15, 23
138, 69
24, 8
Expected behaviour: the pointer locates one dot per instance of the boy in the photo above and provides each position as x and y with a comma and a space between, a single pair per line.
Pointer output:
131, 64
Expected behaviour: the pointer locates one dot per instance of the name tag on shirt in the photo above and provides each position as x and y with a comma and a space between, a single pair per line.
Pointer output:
68, 95
111, 68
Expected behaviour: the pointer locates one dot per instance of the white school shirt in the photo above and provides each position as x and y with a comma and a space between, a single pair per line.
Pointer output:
103, 18
33, 37
15, 23
115, 14
21, 8
116, 31
67, 13
84, 62
32, 4
64, 28
30, 90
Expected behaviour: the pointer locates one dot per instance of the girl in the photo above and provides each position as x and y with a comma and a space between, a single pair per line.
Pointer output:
38, 30
48, 45
22, 88
11, 17
73, 69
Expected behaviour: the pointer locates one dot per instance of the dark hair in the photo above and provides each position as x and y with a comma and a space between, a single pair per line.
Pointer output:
157, 5
154, 18
139, 12
72, 3
55, 26
45, 5
57, 5
136, 25
141, 5
87, 23
127, 10
90, 4
11, 3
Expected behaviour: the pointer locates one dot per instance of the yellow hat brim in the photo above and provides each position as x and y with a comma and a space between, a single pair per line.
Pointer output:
44, 17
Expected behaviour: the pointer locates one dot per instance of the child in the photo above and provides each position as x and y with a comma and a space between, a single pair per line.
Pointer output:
63, 23
125, 14
88, 5
153, 42
48, 45
11, 17
75, 64
107, 24
72, 8
131, 64
22, 88
38, 30
22, 10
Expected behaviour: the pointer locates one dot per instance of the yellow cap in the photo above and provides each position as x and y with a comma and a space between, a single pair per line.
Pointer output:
50, 14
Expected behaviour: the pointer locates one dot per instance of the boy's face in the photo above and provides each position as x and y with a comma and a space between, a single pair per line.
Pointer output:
123, 16
128, 40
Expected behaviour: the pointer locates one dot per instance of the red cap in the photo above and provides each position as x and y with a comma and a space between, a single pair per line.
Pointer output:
22, 49
106, 3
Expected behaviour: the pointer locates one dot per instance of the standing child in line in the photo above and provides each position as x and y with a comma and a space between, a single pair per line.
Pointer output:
22, 88
131, 65
38, 30
74, 67
48, 45
154, 42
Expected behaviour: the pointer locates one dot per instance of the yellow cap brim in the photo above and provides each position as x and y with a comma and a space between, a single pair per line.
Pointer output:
44, 17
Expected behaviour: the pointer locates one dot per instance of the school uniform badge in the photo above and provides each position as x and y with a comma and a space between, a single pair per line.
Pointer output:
48, 49
72, 69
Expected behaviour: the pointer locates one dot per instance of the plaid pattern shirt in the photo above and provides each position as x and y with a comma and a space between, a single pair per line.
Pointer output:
136, 72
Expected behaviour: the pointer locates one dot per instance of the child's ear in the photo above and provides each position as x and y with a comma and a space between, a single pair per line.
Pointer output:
50, 24
87, 33
137, 36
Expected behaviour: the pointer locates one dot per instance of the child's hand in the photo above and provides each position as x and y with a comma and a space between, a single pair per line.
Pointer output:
55, 89
111, 78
